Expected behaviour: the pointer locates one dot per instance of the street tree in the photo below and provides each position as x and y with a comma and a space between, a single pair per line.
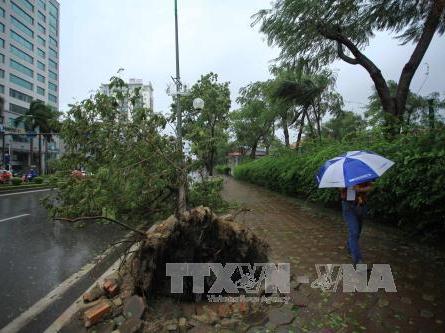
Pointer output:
206, 129
421, 110
41, 117
129, 168
343, 125
253, 122
310, 96
321, 31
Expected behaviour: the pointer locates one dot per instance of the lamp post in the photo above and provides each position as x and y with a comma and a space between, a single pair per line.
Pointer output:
181, 204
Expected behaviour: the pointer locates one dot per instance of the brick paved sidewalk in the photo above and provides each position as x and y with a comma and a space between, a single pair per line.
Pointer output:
305, 236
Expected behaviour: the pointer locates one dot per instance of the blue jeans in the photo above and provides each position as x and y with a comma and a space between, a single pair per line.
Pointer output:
353, 215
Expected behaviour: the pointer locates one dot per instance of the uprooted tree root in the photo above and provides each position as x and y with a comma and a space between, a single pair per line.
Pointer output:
198, 236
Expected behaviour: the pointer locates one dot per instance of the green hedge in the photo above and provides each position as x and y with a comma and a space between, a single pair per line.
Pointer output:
208, 193
38, 180
223, 169
16, 181
411, 193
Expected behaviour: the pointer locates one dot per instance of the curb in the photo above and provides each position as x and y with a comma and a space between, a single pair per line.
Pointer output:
78, 305
20, 190
28, 317
69, 313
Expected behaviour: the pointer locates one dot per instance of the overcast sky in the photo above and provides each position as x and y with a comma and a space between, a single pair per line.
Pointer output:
100, 36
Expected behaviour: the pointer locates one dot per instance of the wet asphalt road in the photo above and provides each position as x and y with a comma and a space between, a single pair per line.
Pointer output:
36, 255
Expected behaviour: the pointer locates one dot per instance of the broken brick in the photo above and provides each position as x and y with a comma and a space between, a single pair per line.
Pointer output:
111, 287
96, 313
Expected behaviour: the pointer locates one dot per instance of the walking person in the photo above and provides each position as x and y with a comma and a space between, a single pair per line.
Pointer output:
353, 173
354, 208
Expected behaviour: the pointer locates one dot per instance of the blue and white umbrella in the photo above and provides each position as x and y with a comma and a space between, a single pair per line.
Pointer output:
352, 168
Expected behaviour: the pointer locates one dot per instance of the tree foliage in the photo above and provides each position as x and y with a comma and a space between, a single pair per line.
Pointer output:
253, 122
130, 166
410, 194
318, 32
207, 129
41, 117
307, 98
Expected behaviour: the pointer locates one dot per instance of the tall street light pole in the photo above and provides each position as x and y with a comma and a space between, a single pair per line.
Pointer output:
181, 205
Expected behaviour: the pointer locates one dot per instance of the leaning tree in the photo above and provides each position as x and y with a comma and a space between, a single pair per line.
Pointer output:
321, 31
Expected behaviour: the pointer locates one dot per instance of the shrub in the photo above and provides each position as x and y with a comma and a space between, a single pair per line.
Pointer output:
411, 193
38, 180
208, 193
16, 181
223, 169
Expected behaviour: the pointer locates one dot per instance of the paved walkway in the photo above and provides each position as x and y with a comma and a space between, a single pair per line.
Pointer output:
305, 236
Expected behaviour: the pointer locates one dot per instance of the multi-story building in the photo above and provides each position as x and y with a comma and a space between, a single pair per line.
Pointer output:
29, 68
145, 91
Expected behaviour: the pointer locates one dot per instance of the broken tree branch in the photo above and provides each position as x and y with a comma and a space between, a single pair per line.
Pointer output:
88, 218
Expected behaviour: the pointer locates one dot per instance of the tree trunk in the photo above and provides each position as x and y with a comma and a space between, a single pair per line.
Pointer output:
309, 122
40, 154
253, 151
317, 119
431, 116
31, 151
394, 106
431, 24
285, 131
211, 163
45, 157
300, 131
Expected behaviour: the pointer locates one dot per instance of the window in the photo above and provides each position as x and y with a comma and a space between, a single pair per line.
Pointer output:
52, 41
52, 22
52, 75
53, 11
2, 74
26, 4
21, 13
53, 30
22, 41
19, 25
41, 4
20, 54
2, 43
41, 16
40, 78
2, 58
17, 109
2, 27
2, 12
52, 64
2, 89
41, 91
22, 69
41, 65
52, 98
20, 82
41, 41
53, 53
41, 53
41, 28
19, 95
52, 86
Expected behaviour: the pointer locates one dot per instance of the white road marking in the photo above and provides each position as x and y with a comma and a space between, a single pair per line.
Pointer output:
24, 192
24, 318
14, 217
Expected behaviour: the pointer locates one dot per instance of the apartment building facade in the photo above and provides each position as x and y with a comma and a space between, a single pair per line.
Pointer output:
29, 70
145, 91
